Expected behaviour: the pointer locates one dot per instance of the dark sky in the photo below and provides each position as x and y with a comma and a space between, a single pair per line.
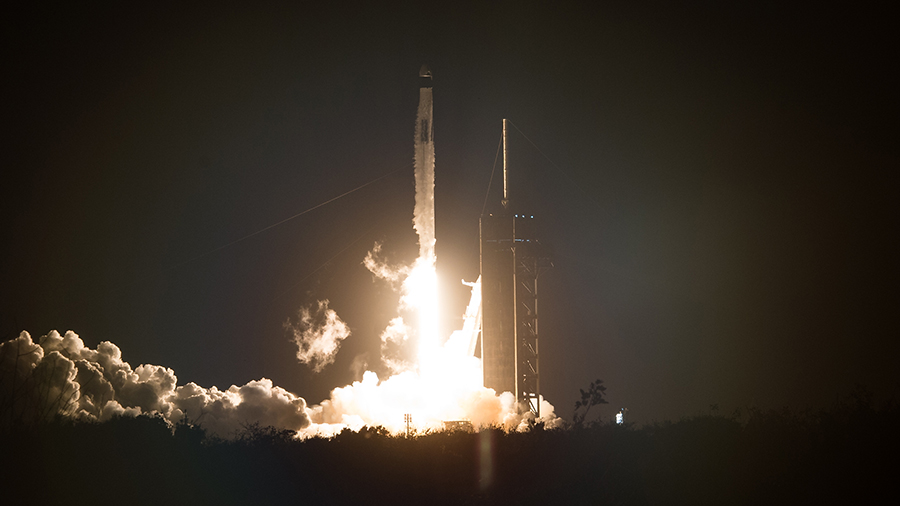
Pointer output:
721, 208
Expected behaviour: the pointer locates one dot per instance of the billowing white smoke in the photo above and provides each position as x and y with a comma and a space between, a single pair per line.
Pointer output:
59, 375
442, 382
318, 335
445, 386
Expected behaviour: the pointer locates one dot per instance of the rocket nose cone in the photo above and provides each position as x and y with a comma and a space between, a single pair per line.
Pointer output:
425, 72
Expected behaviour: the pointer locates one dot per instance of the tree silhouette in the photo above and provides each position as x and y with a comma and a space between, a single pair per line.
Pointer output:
589, 399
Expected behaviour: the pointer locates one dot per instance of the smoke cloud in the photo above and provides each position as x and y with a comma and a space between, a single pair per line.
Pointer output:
379, 266
60, 376
398, 336
318, 335
443, 382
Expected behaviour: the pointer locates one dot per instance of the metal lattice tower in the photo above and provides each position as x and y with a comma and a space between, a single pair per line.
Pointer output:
531, 261
512, 260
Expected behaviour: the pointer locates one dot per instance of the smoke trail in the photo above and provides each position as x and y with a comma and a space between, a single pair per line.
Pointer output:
418, 283
420, 286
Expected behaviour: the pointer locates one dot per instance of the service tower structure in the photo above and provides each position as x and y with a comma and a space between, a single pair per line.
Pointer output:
512, 259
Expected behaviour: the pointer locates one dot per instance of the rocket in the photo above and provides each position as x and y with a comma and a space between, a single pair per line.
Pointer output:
424, 160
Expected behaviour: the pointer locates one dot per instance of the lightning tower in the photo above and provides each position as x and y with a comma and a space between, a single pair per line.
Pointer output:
512, 259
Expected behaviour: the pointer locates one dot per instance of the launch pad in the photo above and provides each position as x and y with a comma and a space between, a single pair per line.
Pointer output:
503, 309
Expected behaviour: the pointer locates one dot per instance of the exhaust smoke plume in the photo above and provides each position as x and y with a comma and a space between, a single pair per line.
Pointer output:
60, 376
444, 382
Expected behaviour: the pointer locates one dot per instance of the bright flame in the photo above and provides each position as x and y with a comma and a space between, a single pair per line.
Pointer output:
420, 295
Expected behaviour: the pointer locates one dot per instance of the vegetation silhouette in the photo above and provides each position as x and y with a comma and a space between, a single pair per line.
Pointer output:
593, 397
834, 456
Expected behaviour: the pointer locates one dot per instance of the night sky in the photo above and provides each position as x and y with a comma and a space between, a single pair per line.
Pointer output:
718, 195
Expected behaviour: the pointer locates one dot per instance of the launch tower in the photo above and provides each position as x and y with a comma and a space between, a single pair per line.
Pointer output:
512, 260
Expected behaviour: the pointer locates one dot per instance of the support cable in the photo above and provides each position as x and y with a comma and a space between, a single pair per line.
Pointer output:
301, 213
326, 262
544, 155
269, 227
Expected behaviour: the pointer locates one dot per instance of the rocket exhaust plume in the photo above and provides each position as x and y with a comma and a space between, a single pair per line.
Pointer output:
445, 381
59, 375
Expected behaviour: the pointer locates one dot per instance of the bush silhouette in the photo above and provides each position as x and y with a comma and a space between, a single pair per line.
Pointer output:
772, 457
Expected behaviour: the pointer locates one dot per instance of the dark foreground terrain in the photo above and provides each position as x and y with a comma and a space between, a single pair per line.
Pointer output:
845, 455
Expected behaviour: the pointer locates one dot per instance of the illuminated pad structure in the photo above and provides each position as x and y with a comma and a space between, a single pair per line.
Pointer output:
512, 260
